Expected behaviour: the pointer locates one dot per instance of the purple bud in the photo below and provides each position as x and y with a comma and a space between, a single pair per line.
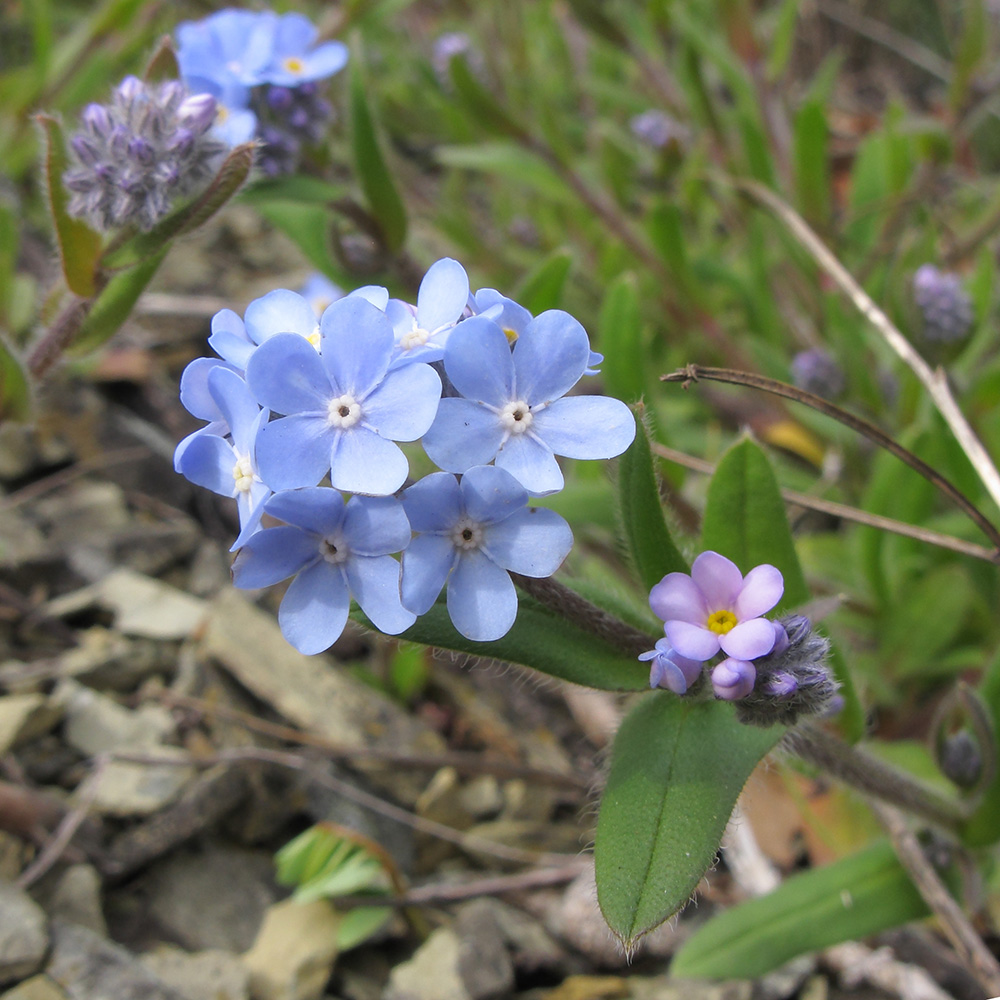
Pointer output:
118, 141
733, 679
669, 669
818, 373
198, 112
298, 118
130, 89
95, 117
780, 685
171, 92
85, 149
945, 306
658, 129
181, 142
280, 98
140, 150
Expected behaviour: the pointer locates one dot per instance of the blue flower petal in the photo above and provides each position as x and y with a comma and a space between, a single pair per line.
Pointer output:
229, 339
427, 561
375, 294
236, 403
208, 461
534, 541
273, 555
585, 426
464, 434
216, 428
251, 508
293, 34
286, 375
478, 361
404, 405
550, 356
482, 601
364, 462
280, 311
317, 509
376, 526
313, 612
507, 314
531, 463
434, 503
294, 451
491, 494
443, 294
195, 397
324, 61
357, 345
375, 585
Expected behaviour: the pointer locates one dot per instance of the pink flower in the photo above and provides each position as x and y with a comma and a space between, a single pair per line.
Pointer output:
717, 608
669, 669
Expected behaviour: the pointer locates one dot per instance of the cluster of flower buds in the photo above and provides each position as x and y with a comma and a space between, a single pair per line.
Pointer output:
135, 155
945, 306
295, 400
262, 70
817, 372
774, 670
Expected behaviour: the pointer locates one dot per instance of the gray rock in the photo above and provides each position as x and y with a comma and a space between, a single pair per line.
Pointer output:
532, 948
659, 988
293, 955
127, 788
206, 975
76, 899
23, 936
35, 988
786, 981
211, 897
88, 967
432, 973
95, 723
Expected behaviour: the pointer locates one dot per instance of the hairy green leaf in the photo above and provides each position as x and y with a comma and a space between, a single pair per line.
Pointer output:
620, 327
15, 390
812, 165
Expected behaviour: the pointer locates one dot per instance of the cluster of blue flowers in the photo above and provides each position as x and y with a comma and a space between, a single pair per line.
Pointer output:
262, 69
296, 399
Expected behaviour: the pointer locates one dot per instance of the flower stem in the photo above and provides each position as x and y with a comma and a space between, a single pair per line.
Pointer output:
59, 336
873, 776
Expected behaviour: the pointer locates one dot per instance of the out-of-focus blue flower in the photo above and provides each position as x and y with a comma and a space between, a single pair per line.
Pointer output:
469, 535
229, 45
229, 467
816, 371
449, 45
422, 332
235, 123
294, 57
668, 669
343, 407
657, 129
335, 552
319, 291
944, 304
515, 409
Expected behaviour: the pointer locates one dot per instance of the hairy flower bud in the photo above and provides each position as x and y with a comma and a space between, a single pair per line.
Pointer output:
817, 372
961, 759
134, 156
289, 118
945, 306
793, 681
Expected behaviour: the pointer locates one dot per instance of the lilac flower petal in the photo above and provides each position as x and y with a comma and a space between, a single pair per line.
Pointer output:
236, 403
585, 426
509, 316
286, 375
719, 579
357, 344
195, 397
482, 601
364, 462
271, 556
534, 541
762, 589
490, 494
733, 679
443, 294
427, 561
404, 405
664, 673
464, 434
376, 526
314, 610
478, 361
434, 503
375, 585
748, 640
294, 451
781, 641
692, 641
531, 463
208, 461
677, 596
317, 509
375, 294
229, 339
280, 311
550, 356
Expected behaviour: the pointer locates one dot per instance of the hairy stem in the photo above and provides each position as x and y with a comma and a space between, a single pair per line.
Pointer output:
58, 336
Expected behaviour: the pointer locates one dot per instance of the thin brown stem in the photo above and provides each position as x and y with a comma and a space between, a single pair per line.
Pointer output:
693, 373
58, 336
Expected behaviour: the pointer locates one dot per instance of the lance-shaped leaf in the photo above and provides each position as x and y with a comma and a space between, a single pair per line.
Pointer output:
644, 529
677, 768
15, 390
79, 245
482, 106
849, 899
623, 370
376, 180
143, 246
162, 63
540, 639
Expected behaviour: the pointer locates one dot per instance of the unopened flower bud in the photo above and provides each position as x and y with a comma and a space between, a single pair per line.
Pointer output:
140, 151
960, 759
95, 117
280, 98
657, 129
733, 679
198, 112
945, 306
668, 669
85, 149
130, 88
817, 372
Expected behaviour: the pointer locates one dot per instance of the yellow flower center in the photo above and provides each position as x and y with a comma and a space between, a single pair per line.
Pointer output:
314, 337
510, 334
721, 622
293, 65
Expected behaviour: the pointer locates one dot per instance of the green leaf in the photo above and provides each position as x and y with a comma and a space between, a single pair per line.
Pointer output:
540, 639
480, 104
142, 246
376, 180
307, 227
299, 188
677, 768
510, 162
647, 537
542, 288
783, 39
162, 63
812, 165
113, 305
79, 245
359, 924
849, 899
15, 390
620, 327
745, 518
